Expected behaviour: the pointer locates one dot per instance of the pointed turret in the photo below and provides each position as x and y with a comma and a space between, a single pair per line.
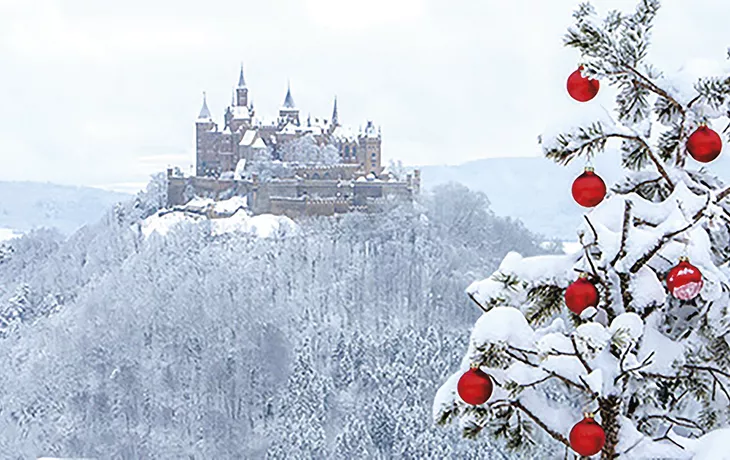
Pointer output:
289, 112
241, 91
204, 116
289, 100
241, 80
335, 115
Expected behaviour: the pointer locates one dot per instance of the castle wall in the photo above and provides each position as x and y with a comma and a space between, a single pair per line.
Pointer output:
290, 207
181, 189
329, 172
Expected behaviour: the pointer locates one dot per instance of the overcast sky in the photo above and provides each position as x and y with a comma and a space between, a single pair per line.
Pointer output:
104, 93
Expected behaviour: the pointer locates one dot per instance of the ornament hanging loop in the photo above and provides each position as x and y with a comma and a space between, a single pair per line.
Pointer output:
589, 163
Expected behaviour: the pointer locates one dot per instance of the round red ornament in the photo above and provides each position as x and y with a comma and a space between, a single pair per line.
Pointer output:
587, 437
704, 144
580, 88
581, 294
588, 189
475, 387
684, 280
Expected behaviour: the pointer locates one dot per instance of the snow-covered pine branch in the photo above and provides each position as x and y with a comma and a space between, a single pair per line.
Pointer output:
648, 358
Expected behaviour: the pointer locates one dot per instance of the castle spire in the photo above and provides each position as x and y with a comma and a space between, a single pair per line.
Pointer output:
335, 115
204, 111
241, 80
288, 100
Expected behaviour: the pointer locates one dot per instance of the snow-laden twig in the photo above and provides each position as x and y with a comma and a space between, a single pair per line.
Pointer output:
625, 372
679, 421
579, 356
624, 233
554, 434
657, 162
554, 374
665, 239
471, 296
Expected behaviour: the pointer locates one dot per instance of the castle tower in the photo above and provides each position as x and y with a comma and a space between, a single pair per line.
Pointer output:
204, 139
369, 150
241, 90
289, 111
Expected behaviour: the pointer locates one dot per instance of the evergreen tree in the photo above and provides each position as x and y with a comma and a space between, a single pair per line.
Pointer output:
17, 310
653, 367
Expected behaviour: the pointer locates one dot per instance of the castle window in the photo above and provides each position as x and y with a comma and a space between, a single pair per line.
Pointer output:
347, 151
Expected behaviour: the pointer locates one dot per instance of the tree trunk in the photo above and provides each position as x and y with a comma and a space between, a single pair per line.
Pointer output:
610, 408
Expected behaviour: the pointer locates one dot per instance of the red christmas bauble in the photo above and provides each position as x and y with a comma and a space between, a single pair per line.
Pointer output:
587, 437
588, 189
580, 88
580, 295
475, 387
684, 280
704, 144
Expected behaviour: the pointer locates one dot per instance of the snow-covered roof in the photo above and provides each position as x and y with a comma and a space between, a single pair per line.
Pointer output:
241, 113
248, 138
344, 132
290, 128
264, 121
258, 144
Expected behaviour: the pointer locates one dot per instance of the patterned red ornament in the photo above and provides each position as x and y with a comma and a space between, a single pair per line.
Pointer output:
581, 294
580, 88
475, 387
684, 280
704, 144
588, 189
587, 437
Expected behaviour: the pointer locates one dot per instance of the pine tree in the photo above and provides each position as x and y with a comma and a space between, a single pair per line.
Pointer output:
654, 369
17, 309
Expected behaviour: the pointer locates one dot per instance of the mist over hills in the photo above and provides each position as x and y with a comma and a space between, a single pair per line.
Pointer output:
28, 205
537, 190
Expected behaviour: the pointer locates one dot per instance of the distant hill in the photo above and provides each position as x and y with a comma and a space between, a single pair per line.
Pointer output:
28, 205
536, 190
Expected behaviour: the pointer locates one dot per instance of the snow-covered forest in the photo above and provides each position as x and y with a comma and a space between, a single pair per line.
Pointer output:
326, 343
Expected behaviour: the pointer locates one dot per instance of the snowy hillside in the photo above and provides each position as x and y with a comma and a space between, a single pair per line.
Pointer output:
324, 343
28, 205
536, 190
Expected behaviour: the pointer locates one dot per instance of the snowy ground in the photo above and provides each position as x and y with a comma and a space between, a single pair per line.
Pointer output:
229, 216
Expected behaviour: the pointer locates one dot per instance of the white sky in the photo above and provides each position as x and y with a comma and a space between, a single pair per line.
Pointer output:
104, 93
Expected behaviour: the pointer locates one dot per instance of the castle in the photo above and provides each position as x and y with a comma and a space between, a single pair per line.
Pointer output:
353, 177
